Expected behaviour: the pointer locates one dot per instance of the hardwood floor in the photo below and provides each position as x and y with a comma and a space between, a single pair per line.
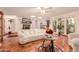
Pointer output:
10, 44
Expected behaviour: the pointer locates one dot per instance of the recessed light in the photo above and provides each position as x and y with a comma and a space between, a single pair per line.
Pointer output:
33, 16
39, 8
40, 17
46, 7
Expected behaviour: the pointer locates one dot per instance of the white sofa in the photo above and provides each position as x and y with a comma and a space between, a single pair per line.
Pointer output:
74, 41
30, 35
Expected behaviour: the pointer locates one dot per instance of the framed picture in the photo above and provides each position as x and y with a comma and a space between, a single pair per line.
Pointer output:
26, 23
42, 26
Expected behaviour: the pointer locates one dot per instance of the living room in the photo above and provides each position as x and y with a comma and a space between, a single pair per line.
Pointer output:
23, 28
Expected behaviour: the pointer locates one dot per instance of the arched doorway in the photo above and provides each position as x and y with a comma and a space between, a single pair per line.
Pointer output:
1, 27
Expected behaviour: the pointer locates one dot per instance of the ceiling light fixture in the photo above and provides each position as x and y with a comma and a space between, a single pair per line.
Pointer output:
43, 11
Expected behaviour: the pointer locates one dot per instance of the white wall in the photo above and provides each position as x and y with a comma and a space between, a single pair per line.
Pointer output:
36, 23
15, 26
17, 22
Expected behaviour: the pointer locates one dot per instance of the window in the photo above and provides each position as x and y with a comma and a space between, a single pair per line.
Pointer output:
70, 25
54, 25
60, 26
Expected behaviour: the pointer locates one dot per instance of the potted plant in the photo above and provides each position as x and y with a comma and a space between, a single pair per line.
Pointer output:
60, 26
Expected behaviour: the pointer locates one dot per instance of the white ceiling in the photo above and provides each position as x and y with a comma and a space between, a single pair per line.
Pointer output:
29, 11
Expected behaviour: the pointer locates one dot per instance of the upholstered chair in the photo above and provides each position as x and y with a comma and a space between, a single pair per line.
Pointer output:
73, 40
